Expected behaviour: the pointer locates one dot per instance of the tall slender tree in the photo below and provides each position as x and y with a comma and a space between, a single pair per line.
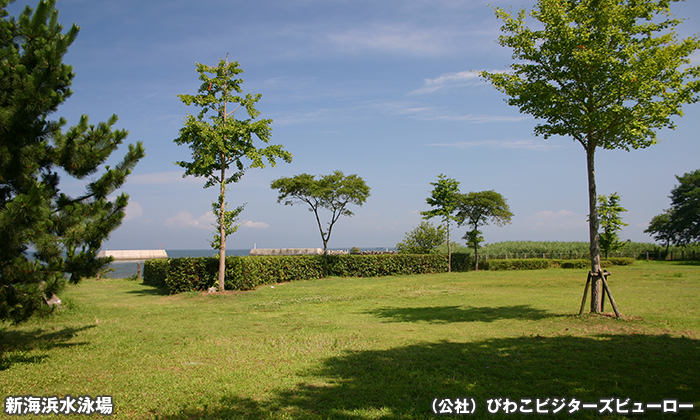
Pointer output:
443, 199
608, 73
46, 235
220, 142
609, 210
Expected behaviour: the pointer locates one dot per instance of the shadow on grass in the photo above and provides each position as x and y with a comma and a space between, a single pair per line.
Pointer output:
449, 314
151, 291
686, 262
14, 345
401, 383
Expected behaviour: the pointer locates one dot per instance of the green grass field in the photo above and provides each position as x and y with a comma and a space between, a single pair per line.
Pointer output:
376, 348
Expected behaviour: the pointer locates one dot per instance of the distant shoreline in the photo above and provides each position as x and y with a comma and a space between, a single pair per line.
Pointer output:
183, 253
128, 269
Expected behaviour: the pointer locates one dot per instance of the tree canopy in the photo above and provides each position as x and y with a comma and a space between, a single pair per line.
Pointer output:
680, 224
443, 199
333, 192
607, 73
49, 237
477, 209
661, 228
220, 142
424, 239
685, 208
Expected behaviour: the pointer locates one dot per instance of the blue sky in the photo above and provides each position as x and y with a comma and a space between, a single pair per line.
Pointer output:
382, 89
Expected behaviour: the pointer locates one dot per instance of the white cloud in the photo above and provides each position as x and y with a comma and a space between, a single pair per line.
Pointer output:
414, 110
528, 144
390, 38
133, 211
255, 225
478, 118
184, 220
451, 81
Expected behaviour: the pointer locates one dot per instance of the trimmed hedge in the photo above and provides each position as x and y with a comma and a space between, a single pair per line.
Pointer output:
462, 262
584, 263
517, 264
246, 273
256, 271
155, 272
383, 265
621, 260
188, 274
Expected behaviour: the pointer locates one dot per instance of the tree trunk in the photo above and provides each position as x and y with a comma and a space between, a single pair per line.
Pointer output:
449, 248
324, 238
222, 206
596, 282
222, 231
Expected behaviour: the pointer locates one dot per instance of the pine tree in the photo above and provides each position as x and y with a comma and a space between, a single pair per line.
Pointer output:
49, 237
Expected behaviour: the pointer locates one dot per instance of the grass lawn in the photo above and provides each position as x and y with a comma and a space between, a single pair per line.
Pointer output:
376, 348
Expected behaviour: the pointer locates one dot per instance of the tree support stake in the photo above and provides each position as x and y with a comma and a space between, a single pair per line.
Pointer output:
606, 289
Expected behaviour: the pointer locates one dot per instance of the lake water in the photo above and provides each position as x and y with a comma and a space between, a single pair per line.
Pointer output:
128, 269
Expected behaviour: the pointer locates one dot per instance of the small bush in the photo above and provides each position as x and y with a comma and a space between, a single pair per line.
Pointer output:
621, 261
584, 263
575, 263
155, 272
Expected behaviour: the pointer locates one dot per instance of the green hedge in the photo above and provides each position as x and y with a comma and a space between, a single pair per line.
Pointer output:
246, 273
621, 260
188, 274
587, 263
383, 265
256, 271
517, 264
463, 262
155, 272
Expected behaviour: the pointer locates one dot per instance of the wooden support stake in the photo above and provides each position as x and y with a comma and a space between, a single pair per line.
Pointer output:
612, 301
585, 294
606, 289
602, 298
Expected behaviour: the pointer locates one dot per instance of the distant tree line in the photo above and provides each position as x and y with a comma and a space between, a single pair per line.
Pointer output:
680, 224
